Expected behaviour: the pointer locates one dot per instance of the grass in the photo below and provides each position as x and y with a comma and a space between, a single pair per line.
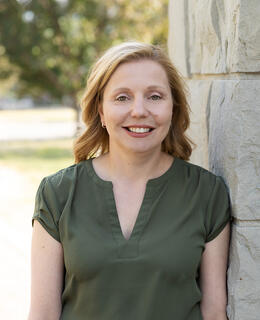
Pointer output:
23, 164
37, 158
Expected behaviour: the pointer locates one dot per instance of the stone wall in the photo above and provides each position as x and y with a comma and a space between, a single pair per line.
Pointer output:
215, 44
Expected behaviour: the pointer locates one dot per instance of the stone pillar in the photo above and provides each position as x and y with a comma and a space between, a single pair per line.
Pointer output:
215, 44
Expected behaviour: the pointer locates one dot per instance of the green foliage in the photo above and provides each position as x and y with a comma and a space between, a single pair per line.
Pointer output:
52, 43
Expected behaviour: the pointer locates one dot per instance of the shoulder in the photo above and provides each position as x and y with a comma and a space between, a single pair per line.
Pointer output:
195, 170
62, 173
208, 180
64, 179
65, 173
201, 177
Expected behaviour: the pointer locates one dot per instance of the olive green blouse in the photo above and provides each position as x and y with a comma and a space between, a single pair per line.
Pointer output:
153, 275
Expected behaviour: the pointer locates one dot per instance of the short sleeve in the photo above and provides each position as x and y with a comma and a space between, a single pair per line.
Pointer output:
47, 208
218, 212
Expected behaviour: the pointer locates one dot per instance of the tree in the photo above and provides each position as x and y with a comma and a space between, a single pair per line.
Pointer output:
52, 43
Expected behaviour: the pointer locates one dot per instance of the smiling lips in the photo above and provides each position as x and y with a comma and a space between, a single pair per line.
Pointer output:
138, 131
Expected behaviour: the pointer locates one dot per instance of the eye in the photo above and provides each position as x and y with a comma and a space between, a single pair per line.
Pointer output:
121, 98
155, 97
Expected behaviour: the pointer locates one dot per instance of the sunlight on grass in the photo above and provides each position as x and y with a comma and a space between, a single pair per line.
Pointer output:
22, 166
37, 158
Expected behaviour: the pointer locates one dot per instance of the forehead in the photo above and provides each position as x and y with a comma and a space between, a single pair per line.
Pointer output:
140, 72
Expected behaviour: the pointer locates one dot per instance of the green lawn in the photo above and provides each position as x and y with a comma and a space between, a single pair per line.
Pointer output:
37, 158
22, 167
23, 164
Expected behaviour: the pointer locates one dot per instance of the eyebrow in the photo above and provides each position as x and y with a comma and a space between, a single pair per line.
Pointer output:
149, 88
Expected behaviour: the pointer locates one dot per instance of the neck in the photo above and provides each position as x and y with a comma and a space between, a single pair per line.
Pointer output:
131, 168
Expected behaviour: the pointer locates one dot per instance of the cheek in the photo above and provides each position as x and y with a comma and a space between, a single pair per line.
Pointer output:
165, 117
113, 116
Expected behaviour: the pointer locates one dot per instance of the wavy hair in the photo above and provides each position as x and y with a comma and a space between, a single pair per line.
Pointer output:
95, 140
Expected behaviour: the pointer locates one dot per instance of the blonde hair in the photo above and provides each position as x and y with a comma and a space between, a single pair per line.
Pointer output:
95, 139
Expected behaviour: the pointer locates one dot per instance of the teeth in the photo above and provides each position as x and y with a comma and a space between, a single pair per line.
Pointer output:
140, 130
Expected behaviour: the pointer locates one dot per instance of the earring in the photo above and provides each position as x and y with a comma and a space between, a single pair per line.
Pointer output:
103, 125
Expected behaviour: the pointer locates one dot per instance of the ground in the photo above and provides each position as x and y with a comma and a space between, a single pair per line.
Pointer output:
33, 143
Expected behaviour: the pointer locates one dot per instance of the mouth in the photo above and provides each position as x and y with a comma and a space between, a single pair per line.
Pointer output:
139, 129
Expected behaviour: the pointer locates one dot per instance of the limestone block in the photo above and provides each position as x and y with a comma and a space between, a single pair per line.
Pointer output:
244, 274
243, 36
215, 36
178, 34
207, 36
198, 100
234, 142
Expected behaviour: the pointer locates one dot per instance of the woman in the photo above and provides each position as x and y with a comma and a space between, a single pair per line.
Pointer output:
131, 230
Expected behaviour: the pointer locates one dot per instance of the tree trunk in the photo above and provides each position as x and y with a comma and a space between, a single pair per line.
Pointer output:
79, 124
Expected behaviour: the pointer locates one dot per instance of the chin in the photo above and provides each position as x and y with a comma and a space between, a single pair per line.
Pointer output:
143, 148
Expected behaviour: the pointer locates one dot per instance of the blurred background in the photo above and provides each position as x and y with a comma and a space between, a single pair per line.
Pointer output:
46, 50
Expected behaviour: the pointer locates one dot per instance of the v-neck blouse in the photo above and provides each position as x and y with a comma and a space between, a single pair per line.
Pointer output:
155, 273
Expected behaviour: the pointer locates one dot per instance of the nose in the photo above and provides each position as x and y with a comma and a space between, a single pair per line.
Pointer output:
138, 108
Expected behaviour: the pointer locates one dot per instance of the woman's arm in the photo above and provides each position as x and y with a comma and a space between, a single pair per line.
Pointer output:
46, 275
213, 272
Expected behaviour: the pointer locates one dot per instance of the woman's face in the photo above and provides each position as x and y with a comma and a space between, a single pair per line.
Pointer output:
137, 107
